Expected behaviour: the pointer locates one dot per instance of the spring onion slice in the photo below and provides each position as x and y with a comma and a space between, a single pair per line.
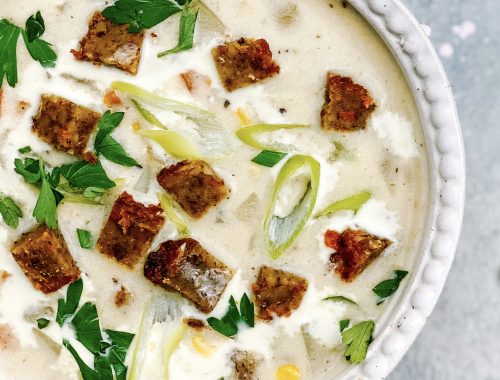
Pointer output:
340, 299
282, 232
354, 203
162, 316
173, 142
268, 158
209, 24
248, 134
147, 115
171, 210
215, 140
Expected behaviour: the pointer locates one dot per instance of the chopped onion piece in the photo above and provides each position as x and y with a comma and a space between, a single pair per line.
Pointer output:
247, 134
173, 142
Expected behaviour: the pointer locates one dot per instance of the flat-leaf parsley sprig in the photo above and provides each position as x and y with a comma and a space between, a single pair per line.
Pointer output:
228, 324
40, 50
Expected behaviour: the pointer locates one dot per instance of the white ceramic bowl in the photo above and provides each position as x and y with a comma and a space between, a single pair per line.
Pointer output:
402, 322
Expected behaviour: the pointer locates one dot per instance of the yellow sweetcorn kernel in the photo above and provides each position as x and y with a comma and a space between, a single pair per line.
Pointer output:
242, 117
288, 372
201, 345
136, 126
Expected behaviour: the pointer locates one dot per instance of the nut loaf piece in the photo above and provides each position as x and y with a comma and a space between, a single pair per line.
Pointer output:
185, 266
110, 44
277, 292
347, 105
129, 231
354, 251
66, 126
244, 62
45, 259
194, 185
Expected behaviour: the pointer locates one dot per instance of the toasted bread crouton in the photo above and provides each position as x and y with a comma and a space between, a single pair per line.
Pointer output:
245, 365
354, 251
244, 62
66, 126
194, 185
277, 292
185, 266
123, 297
347, 105
44, 258
129, 231
110, 44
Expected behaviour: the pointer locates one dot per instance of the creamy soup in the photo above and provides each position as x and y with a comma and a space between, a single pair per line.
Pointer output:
386, 160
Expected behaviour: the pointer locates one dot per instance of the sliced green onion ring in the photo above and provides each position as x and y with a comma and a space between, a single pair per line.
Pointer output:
340, 299
171, 210
247, 134
173, 142
354, 203
268, 158
147, 115
282, 232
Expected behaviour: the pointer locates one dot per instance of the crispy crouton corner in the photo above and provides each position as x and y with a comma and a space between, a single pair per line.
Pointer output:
129, 231
185, 266
244, 62
347, 105
354, 251
277, 292
44, 258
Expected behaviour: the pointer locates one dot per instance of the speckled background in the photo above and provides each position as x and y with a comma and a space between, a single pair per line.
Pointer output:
461, 340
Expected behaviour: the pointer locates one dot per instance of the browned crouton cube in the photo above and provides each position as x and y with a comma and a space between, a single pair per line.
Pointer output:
185, 266
44, 258
347, 105
244, 62
277, 292
245, 365
110, 44
123, 297
130, 229
194, 185
66, 126
354, 251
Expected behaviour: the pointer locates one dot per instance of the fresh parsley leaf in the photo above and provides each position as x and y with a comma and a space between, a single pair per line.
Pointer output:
141, 14
226, 328
85, 238
40, 50
24, 150
45, 210
67, 307
29, 169
81, 174
186, 32
268, 158
10, 212
9, 34
357, 339
344, 323
87, 372
87, 327
228, 324
35, 26
340, 299
106, 145
247, 311
42, 323
387, 288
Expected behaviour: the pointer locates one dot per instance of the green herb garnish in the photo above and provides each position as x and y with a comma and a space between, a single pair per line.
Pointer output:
357, 339
108, 347
340, 299
354, 203
106, 145
282, 232
24, 150
268, 158
141, 14
387, 288
10, 212
343, 324
39, 49
228, 324
85, 238
42, 323
81, 175
186, 32
45, 210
